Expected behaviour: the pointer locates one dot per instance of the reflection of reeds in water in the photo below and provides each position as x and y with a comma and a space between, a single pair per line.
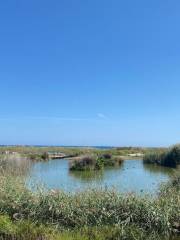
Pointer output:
87, 176
14, 164
96, 175
159, 169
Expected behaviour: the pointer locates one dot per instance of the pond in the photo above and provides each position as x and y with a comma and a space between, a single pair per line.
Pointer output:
131, 176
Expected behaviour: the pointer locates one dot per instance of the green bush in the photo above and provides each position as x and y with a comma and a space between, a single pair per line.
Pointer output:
95, 162
88, 162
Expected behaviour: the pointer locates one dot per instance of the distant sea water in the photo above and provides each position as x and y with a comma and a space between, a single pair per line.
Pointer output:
99, 147
65, 146
103, 147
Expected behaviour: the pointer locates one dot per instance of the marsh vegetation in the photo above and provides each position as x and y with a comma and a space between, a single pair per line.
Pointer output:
91, 209
95, 162
94, 213
168, 158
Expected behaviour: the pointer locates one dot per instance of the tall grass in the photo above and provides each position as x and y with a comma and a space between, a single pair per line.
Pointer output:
92, 208
168, 158
23, 230
92, 214
14, 164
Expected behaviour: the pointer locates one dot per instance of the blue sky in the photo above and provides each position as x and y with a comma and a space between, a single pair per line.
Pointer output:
90, 72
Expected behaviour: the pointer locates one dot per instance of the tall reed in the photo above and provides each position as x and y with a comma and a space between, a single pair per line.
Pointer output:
168, 158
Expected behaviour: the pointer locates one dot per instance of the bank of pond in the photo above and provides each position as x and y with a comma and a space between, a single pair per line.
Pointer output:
91, 214
98, 197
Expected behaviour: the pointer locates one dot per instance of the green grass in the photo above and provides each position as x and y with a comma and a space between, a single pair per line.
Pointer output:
10, 229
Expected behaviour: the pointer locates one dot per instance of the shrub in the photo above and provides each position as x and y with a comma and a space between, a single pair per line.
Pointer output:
111, 162
88, 162
95, 162
38, 156
106, 156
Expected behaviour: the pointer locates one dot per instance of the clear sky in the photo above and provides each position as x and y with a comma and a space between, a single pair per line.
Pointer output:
90, 72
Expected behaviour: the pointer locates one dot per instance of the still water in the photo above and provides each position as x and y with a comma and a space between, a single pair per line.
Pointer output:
131, 176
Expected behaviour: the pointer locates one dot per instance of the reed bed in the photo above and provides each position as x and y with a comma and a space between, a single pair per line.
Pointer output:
92, 208
168, 158
92, 214
10, 230
14, 164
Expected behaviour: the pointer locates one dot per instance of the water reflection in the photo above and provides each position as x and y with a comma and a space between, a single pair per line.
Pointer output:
98, 176
131, 176
87, 176
158, 169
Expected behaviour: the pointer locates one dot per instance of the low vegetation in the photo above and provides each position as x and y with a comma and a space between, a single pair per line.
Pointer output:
38, 152
94, 162
38, 156
14, 164
168, 158
92, 214
23, 230
127, 215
